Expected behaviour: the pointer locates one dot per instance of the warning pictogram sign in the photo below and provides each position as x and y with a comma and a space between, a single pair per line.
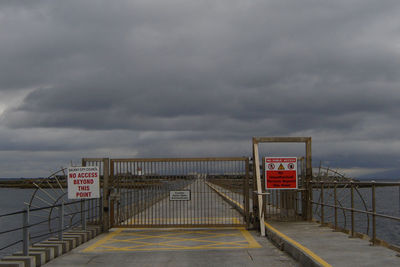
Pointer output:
271, 166
283, 175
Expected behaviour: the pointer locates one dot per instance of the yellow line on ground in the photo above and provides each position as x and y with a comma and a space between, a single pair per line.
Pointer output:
295, 243
201, 239
169, 249
102, 241
252, 242
225, 196
106, 243
298, 245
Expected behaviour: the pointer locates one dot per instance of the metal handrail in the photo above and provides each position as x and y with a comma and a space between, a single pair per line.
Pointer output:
92, 212
352, 186
359, 211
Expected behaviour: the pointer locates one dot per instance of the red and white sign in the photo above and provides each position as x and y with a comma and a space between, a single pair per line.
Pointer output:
83, 182
281, 173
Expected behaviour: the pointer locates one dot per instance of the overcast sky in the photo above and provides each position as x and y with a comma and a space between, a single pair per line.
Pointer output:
160, 78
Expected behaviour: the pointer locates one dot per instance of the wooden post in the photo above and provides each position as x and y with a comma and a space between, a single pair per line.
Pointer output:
246, 195
307, 192
256, 168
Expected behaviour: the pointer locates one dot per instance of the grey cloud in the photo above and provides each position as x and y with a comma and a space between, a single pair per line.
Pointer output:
171, 77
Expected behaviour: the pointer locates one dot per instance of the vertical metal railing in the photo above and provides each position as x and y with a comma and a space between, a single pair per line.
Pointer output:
352, 208
322, 204
335, 203
61, 221
374, 212
36, 227
104, 169
25, 232
358, 208
152, 180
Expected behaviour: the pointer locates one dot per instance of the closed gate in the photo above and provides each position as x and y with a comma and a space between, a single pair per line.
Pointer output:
182, 192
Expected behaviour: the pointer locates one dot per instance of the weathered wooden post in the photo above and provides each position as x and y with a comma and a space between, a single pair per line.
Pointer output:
288, 199
246, 195
256, 167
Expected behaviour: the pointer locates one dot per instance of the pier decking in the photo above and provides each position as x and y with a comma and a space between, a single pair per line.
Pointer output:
307, 243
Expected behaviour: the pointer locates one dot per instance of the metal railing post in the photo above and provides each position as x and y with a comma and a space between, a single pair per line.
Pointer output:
108, 172
373, 214
335, 204
100, 214
61, 221
83, 214
25, 232
322, 204
112, 219
309, 201
352, 209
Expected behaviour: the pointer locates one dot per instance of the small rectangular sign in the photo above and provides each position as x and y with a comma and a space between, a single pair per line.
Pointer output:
281, 173
83, 182
179, 195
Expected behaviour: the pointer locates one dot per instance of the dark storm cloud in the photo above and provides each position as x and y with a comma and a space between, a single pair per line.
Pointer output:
170, 77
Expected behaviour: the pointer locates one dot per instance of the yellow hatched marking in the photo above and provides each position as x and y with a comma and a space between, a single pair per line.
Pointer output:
172, 242
250, 239
103, 240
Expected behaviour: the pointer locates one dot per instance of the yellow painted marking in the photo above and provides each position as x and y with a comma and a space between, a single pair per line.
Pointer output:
224, 195
173, 240
252, 242
103, 240
297, 244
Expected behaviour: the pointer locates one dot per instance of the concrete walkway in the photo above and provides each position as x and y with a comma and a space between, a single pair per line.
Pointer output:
313, 245
211, 246
176, 247
327, 247
308, 243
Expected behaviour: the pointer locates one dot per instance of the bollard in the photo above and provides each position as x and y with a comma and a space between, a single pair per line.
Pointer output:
61, 221
25, 232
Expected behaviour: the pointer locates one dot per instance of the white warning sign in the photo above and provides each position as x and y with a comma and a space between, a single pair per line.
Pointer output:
83, 182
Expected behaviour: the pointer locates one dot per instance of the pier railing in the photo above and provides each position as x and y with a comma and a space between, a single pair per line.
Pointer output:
361, 209
19, 230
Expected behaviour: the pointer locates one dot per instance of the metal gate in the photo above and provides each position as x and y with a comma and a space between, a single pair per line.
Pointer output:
182, 192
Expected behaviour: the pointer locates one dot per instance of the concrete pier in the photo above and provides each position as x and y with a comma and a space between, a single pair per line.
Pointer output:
287, 244
176, 247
